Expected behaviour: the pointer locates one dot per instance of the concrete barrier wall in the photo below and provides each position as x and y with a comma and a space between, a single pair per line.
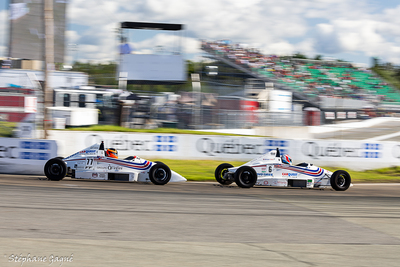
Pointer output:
28, 156
356, 155
25, 156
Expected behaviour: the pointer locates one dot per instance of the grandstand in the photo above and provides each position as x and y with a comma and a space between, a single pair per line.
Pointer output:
309, 80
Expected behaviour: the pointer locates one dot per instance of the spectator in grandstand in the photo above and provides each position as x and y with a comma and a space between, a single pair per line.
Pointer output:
313, 78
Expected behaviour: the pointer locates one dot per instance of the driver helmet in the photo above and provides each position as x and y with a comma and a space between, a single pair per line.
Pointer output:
286, 159
112, 153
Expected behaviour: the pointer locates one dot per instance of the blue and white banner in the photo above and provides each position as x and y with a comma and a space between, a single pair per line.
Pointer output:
25, 156
356, 155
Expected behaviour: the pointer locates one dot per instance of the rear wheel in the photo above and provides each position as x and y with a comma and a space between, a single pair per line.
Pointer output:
340, 180
220, 172
245, 177
160, 174
55, 169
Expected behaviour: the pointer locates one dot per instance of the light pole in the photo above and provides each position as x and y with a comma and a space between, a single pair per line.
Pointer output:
48, 63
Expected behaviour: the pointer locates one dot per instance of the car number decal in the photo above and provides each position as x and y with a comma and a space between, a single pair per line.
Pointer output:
89, 161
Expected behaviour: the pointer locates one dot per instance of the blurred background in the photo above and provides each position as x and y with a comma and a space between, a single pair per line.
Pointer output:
205, 65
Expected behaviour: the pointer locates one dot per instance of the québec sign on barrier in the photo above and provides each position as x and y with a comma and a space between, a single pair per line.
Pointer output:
28, 156
25, 156
356, 155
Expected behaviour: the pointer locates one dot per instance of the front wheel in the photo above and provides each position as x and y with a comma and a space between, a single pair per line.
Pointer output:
220, 172
340, 180
160, 174
55, 169
245, 177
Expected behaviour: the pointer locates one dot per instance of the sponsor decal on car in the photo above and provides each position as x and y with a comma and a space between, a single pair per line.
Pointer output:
265, 174
115, 168
95, 175
121, 163
281, 183
289, 174
88, 151
102, 167
273, 182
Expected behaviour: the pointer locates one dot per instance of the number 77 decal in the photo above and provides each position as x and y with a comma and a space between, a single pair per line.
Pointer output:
89, 161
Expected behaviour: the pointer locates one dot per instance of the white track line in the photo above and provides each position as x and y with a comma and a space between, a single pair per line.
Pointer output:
383, 137
350, 125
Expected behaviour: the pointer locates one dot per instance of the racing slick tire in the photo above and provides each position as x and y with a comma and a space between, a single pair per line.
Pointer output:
160, 174
245, 177
55, 169
220, 172
340, 180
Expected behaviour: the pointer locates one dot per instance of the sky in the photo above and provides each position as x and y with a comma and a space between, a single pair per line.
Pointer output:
350, 30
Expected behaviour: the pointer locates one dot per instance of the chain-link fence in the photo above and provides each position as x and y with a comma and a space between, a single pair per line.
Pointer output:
142, 115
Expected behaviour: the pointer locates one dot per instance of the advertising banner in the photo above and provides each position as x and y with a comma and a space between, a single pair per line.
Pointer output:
25, 156
233, 148
142, 67
356, 155
127, 144
177, 146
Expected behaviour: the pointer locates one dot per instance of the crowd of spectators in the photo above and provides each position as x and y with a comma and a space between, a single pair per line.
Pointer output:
313, 78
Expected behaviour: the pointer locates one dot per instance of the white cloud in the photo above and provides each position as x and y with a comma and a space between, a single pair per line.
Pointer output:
367, 35
72, 37
285, 26
255, 21
279, 48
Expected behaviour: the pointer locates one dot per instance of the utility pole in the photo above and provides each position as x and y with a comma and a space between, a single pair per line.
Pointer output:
48, 63
10, 30
197, 95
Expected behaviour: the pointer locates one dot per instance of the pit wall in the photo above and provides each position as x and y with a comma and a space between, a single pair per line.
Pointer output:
25, 156
355, 155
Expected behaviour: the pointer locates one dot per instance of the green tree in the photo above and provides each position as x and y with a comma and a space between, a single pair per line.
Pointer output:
105, 74
99, 74
375, 62
299, 55
318, 57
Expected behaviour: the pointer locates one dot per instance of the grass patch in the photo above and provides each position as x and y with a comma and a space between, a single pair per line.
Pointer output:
6, 128
115, 128
203, 170
384, 175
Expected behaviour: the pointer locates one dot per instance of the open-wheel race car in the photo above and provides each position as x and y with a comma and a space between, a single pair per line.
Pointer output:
96, 162
272, 169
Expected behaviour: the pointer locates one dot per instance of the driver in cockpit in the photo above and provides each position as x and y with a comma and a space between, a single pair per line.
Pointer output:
112, 153
286, 159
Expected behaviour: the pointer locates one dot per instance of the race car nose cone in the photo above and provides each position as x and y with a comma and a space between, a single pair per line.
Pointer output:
175, 177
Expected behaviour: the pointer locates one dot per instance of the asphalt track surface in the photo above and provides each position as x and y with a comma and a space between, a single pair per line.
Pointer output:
196, 224
385, 131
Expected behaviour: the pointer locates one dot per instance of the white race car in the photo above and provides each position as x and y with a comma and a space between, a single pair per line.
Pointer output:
93, 163
269, 170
